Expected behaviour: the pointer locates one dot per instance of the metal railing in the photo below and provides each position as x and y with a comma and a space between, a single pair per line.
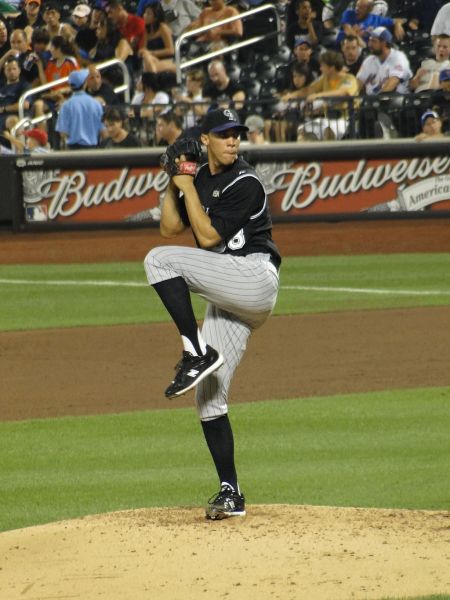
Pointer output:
27, 122
123, 88
236, 46
364, 117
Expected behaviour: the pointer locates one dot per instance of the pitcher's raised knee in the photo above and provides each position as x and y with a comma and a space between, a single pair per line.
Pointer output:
157, 264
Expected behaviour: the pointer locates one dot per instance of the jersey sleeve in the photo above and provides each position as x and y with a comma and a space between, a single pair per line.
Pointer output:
242, 200
399, 67
348, 17
364, 71
387, 22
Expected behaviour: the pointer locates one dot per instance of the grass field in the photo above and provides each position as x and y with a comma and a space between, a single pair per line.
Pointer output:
117, 293
373, 450
388, 449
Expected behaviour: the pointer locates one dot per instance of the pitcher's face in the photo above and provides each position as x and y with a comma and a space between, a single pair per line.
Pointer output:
222, 147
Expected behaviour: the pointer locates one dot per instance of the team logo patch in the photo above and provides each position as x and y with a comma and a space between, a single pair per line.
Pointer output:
227, 112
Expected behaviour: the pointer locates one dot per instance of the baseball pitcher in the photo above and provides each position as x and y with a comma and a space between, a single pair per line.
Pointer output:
235, 269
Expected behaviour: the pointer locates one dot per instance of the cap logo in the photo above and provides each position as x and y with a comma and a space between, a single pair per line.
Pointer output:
227, 112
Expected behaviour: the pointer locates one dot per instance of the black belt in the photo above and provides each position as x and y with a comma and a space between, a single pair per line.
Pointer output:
275, 263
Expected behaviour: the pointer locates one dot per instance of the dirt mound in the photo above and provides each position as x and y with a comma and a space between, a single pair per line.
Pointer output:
276, 551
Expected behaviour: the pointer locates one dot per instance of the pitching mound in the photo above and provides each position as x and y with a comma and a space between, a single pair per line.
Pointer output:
277, 551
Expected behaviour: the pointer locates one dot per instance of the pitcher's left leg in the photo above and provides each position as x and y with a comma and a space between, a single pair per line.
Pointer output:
230, 335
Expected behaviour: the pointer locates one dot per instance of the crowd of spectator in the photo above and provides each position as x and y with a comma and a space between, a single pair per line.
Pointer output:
315, 79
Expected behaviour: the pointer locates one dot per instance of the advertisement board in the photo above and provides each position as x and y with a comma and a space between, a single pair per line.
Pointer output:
356, 186
295, 188
93, 195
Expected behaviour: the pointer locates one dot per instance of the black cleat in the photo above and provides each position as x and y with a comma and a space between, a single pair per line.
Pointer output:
227, 503
193, 369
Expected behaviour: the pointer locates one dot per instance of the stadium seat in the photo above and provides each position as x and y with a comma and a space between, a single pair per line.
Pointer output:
378, 117
281, 75
266, 69
328, 39
234, 71
263, 23
268, 98
248, 73
284, 54
252, 88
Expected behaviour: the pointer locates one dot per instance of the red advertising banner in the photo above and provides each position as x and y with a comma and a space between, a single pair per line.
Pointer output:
93, 196
355, 186
294, 189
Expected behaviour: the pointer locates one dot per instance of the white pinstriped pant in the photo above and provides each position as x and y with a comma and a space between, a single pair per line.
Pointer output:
241, 292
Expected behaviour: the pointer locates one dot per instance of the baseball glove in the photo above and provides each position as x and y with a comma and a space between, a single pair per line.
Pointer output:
190, 148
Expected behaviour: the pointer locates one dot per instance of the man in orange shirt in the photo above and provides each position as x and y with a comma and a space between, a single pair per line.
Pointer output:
61, 64
218, 37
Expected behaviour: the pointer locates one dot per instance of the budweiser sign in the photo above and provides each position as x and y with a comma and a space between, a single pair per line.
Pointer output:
294, 189
78, 193
309, 184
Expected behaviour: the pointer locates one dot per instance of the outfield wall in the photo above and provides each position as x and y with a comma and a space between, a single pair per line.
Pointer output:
317, 181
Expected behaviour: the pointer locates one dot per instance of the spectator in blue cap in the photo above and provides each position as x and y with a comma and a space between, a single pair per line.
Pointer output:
303, 55
431, 124
78, 78
385, 69
444, 76
80, 118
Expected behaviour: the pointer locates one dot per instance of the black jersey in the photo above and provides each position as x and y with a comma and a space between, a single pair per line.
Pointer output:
236, 203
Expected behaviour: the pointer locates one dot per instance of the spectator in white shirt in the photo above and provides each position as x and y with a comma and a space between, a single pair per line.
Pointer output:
385, 69
427, 75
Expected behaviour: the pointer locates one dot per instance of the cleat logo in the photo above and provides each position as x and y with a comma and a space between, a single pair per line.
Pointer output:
192, 373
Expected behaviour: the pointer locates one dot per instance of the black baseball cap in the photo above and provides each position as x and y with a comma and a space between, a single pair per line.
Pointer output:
221, 119
51, 6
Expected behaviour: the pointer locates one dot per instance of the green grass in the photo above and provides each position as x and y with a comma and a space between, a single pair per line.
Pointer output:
388, 273
424, 278
388, 449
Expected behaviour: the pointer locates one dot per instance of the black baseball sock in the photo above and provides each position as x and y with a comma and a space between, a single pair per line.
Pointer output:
219, 437
176, 297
